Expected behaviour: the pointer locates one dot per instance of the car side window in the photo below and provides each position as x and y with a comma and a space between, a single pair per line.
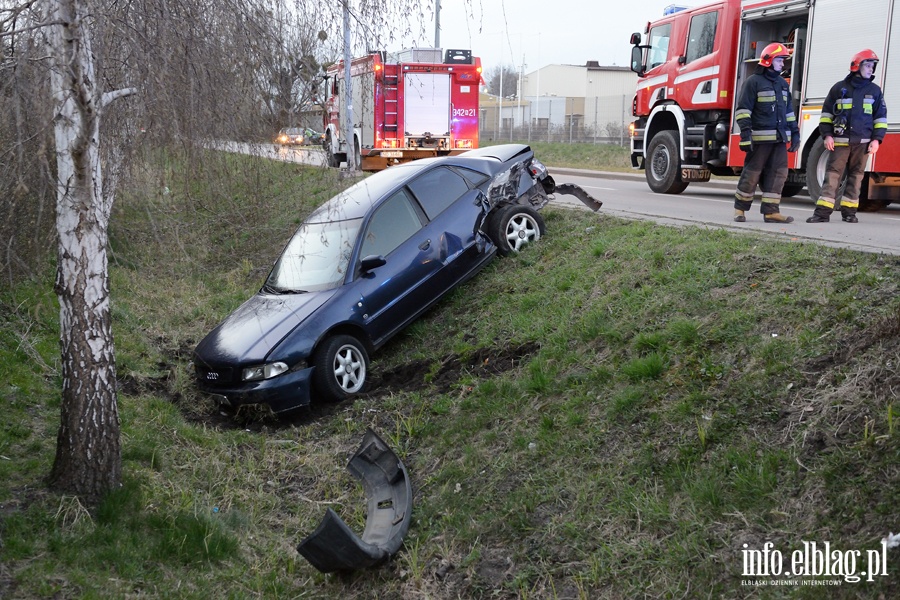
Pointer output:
473, 177
393, 223
437, 189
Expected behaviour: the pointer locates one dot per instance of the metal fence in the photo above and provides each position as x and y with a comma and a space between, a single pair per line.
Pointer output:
613, 133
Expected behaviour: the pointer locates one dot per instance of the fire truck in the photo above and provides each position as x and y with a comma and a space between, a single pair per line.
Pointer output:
408, 105
694, 61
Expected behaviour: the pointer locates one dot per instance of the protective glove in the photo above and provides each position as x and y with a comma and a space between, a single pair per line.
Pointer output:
746, 143
795, 143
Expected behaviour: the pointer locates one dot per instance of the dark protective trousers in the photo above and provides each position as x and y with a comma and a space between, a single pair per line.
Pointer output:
765, 165
853, 159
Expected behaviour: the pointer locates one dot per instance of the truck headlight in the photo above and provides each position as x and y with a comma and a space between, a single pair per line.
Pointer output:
260, 372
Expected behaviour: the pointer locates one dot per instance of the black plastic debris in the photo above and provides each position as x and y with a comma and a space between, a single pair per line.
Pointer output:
333, 546
580, 193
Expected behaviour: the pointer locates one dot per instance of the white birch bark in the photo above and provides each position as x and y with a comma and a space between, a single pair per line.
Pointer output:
88, 454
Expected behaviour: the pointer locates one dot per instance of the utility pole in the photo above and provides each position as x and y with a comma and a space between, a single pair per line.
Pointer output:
348, 93
437, 23
521, 81
500, 96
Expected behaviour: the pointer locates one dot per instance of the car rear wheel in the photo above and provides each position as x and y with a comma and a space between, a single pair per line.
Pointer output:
340, 365
515, 226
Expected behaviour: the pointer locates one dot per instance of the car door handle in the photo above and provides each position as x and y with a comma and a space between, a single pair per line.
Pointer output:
425, 245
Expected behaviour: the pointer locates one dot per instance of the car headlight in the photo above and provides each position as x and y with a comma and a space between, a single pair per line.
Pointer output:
263, 371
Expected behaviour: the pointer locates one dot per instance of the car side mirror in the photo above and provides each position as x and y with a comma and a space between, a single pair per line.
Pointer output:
636, 39
372, 262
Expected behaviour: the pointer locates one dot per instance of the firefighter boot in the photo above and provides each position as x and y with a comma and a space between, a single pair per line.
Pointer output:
777, 218
739, 215
822, 214
849, 216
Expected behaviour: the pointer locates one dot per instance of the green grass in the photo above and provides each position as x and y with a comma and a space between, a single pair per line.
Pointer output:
601, 157
612, 413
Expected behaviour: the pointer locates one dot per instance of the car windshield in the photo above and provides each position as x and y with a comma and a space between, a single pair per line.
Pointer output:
316, 258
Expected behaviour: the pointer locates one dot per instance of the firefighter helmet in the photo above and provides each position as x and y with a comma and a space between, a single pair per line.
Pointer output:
773, 51
861, 56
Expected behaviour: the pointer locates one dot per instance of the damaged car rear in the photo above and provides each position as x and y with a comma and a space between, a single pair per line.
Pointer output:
365, 265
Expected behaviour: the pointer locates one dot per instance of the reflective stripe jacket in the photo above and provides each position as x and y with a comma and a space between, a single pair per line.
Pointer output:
857, 105
764, 111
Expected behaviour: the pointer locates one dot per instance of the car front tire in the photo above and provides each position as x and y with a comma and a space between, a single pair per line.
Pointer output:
341, 364
516, 226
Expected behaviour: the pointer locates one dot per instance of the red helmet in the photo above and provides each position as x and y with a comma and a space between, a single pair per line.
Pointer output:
772, 51
859, 57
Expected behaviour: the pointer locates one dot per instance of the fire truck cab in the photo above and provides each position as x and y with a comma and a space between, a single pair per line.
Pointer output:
408, 105
694, 62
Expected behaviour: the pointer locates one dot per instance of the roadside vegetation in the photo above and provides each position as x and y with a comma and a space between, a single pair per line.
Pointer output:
613, 413
597, 157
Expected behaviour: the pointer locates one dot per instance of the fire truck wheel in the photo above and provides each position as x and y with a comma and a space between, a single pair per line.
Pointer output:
791, 189
330, 158
357, 157
815, 174
873, 205
663, 169
815, 169
515, 226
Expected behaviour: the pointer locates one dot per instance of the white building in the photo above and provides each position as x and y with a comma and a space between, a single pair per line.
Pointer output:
564, 103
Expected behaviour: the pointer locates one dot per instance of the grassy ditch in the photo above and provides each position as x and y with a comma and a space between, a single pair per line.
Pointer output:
614, 413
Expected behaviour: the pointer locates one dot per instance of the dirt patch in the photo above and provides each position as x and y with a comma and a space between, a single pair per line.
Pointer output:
442, 377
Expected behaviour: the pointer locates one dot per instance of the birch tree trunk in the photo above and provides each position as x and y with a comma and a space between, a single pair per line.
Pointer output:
88, 454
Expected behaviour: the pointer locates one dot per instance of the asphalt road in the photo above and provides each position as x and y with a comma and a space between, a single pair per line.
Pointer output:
712, 205
705, 204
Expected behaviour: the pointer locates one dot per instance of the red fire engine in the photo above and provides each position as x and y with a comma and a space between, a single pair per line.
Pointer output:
694, 62
408, 105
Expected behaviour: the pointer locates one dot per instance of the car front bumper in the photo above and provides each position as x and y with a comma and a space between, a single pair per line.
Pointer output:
282, 393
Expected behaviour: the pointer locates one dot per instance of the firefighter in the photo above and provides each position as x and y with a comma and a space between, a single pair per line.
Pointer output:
766, 118
853, 125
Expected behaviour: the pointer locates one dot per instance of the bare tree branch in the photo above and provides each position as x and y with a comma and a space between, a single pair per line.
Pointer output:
111, 96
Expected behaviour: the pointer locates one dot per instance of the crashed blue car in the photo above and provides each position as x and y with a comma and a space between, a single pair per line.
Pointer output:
365, 265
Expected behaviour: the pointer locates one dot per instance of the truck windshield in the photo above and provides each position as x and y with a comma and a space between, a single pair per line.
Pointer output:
659, 45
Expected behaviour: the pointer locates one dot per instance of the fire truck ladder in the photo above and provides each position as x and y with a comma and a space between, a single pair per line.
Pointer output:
391, 95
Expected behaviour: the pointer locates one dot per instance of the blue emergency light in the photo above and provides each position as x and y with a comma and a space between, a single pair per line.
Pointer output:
672, 9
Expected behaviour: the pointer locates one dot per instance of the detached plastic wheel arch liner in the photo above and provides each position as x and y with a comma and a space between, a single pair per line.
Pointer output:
333, 546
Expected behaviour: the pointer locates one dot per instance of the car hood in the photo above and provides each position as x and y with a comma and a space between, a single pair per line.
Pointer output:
252, 331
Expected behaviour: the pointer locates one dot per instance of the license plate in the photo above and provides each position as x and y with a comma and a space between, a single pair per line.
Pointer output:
695, 174
392, 154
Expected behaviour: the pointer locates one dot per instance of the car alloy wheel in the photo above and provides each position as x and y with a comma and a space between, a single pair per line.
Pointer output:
516, 226
341, 364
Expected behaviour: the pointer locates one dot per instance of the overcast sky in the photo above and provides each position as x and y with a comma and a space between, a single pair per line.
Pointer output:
544, 32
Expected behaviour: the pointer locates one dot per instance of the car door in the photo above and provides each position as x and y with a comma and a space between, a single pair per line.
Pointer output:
392, 295
450, 201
